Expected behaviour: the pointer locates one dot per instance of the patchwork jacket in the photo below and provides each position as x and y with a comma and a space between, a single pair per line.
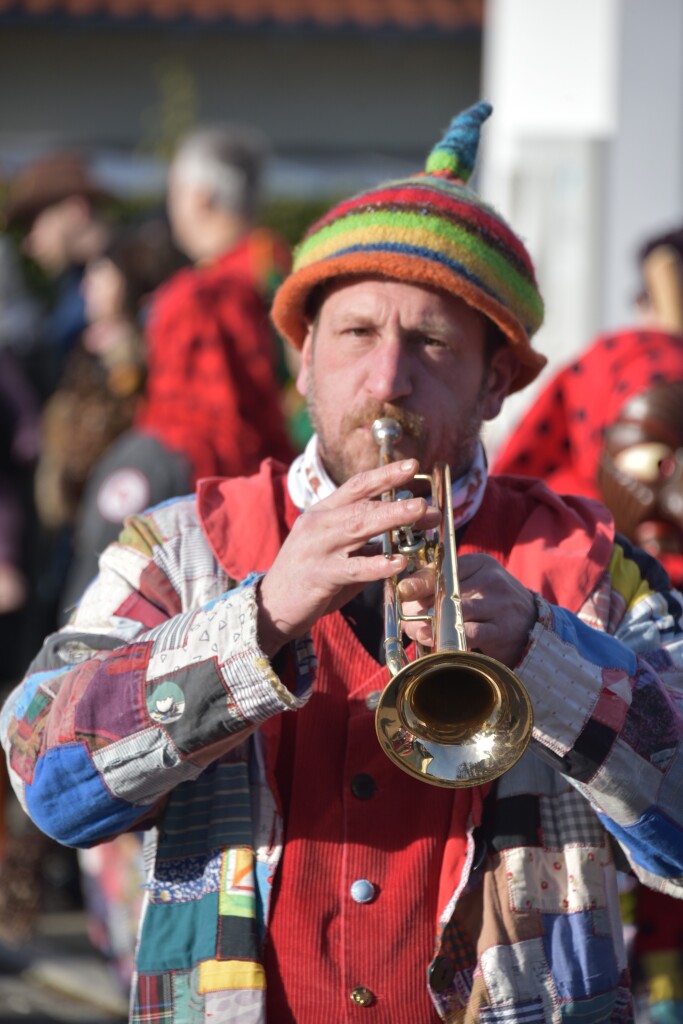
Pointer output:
144, 712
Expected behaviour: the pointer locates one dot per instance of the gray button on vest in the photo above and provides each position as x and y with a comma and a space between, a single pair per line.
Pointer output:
362, 891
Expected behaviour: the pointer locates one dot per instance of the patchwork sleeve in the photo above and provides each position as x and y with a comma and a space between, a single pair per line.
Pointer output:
607, 690
157, 675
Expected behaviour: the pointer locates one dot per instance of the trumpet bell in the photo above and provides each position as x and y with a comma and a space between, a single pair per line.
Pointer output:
454, 719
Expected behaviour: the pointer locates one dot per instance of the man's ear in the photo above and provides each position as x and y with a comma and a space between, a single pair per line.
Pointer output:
503, 369
305, 364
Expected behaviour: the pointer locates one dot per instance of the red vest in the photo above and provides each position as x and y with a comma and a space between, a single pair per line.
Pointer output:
407, 839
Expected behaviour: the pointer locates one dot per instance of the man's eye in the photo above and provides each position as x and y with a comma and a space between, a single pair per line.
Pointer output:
429, 342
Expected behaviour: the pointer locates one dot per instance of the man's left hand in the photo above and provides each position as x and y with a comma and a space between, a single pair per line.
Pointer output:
499, 612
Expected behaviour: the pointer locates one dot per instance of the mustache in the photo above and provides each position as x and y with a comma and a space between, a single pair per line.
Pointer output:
412, 424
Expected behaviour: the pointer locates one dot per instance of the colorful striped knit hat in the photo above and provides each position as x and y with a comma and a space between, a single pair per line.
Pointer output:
428, 229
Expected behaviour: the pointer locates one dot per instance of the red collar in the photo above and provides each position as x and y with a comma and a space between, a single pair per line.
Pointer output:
247, 518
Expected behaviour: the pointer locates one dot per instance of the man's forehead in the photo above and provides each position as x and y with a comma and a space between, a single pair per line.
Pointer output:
383, 297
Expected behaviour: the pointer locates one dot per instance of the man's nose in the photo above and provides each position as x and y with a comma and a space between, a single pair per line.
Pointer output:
389, 371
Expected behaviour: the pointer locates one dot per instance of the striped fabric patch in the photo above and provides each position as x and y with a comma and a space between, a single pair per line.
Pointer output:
524, 1013
210, 813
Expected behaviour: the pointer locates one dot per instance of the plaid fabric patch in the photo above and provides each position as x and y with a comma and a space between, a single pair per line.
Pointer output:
568, 819
457, 946
153, 1000
455, 960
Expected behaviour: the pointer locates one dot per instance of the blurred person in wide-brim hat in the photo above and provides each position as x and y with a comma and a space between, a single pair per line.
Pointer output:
58, 208
48, 180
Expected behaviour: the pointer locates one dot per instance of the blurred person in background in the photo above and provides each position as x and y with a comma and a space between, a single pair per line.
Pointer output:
18, 451
58, 208
660, 299
105, 371
214, 189
102, 381
21, 313
211, 403
20, 319
59, 212
616, 411
610, 426
19, 445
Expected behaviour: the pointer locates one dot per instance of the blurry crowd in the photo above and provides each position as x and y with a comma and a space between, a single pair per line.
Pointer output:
136, 356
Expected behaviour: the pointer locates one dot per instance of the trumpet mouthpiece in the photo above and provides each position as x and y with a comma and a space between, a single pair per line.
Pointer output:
386, 429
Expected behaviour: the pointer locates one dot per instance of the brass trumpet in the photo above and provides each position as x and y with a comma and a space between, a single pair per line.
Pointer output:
451, 717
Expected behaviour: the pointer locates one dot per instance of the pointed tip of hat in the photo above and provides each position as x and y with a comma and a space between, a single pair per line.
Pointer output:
455, 155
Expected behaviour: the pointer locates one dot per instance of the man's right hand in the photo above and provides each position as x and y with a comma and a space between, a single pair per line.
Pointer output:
327, 558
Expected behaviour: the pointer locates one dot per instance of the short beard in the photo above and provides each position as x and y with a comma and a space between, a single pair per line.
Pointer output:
337, 463
459, 453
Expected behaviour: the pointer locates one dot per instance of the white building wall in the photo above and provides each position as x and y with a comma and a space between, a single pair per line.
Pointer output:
644, 164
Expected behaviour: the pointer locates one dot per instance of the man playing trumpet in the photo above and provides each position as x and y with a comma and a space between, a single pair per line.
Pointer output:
216, 685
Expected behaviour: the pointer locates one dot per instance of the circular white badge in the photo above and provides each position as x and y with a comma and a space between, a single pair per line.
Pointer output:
123, 493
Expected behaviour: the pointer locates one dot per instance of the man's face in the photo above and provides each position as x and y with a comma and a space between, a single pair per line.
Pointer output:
385, 348
641, 470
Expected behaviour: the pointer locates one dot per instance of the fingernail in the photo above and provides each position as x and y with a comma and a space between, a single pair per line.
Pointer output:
407, 464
